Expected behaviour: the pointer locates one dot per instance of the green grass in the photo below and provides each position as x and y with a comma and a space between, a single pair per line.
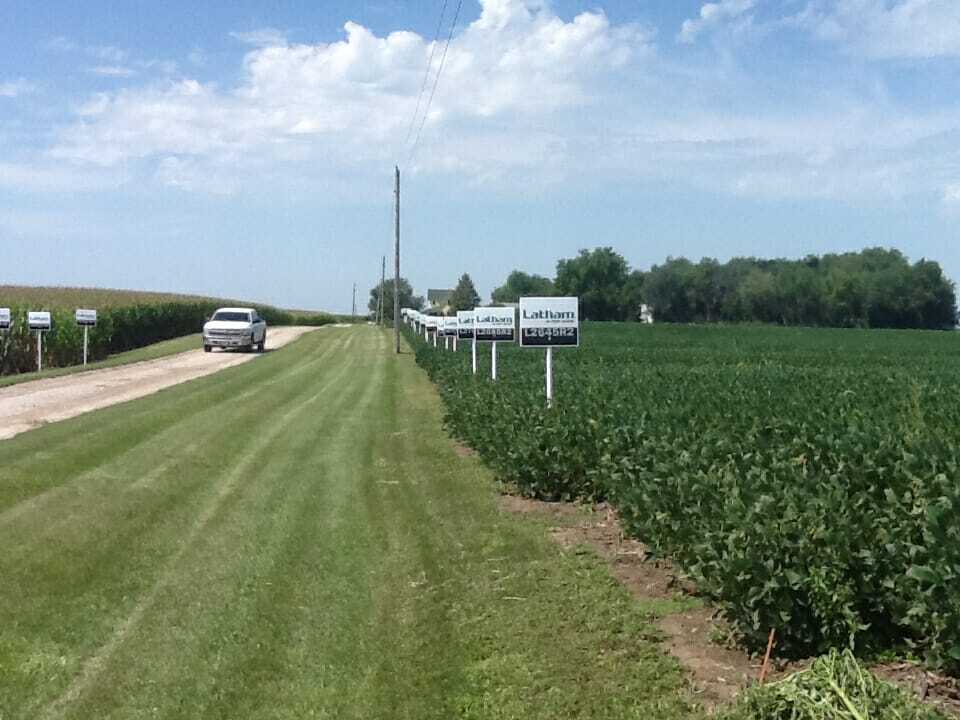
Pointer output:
150, 352
295, 538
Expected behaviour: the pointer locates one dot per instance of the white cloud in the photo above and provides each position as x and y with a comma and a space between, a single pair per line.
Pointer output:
951, 195
262, 37
15, 88
351, 101
57, 177
113, 71
165, 67
60, 44
186, 174
108, 53
883, 29
711, 15
527, 99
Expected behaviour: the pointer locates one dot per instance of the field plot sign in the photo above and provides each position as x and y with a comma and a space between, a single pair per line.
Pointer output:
465, 331
550, 322
4, 318
86, 319
465, 324
41, 322
493, 325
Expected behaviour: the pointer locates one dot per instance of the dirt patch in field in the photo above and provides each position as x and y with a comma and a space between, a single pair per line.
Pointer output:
937, 690
463, 450
716, 673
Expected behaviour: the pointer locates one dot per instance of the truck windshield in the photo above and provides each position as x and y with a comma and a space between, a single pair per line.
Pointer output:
232, 316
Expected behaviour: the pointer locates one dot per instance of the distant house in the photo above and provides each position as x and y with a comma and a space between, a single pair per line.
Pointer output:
439, 299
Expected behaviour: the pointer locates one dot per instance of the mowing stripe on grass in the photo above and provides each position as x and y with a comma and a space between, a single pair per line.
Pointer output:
242, 468
322, 552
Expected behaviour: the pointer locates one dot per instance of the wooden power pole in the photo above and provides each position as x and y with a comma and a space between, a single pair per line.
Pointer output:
381, 320
396, 266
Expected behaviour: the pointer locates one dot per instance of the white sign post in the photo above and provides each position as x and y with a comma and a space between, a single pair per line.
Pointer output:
550, 322
465, 332
4, 318
430, 324
450, 332
41, 322
86, 319
493, 325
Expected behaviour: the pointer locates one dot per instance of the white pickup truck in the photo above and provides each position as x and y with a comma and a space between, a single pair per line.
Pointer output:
235, 328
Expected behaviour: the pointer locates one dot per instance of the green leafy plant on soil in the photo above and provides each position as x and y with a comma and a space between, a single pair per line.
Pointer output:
836, 687
807, 480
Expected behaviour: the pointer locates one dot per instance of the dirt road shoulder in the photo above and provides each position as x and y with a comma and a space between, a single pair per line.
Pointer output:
29, 405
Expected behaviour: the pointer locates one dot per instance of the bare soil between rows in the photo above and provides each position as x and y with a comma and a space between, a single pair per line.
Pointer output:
717, 672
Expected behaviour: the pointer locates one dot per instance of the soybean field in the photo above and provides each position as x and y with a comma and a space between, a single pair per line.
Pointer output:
807, 480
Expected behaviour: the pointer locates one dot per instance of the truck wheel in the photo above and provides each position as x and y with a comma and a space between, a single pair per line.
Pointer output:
263, 343
207, 348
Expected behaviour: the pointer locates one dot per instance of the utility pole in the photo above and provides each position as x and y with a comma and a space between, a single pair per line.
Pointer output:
383, 283
353, 314
396, 274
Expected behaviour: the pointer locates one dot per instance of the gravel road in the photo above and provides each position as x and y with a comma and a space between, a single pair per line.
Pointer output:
28, 405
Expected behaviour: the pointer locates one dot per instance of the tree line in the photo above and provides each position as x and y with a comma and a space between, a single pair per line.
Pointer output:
464, 297
876, 288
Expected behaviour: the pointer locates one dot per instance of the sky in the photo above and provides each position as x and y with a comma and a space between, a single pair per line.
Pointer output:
246, 149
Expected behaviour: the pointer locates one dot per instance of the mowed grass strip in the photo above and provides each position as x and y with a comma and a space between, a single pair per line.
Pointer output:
296, 537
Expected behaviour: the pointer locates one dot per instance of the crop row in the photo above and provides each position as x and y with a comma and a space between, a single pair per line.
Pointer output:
118, 329
807, 480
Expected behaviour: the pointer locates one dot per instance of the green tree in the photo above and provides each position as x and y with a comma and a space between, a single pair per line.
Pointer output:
407, 298
598, 277
520, 284
465, 295
633, 295
668, 289
933, 296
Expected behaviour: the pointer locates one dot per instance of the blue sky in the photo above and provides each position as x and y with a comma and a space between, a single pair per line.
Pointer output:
246, 149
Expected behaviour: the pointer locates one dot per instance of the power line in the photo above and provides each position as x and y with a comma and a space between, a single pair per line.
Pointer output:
436, 81
426, 73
